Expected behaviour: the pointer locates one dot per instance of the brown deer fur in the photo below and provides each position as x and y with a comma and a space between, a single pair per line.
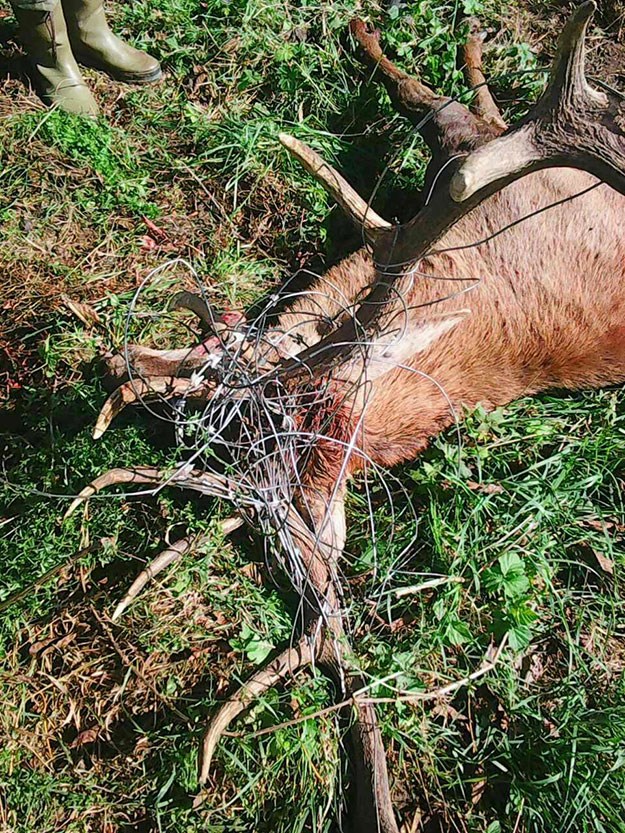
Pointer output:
546, 310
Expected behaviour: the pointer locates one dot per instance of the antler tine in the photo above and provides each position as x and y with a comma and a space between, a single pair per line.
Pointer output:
447, 126
163, 387
568, 77
484, 103
358, 211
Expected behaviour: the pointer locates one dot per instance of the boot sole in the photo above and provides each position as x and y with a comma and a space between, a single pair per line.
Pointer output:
119, 75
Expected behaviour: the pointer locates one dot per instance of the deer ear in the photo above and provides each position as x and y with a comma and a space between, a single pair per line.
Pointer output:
389, 352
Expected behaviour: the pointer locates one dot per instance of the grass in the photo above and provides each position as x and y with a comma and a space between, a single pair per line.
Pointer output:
99, 725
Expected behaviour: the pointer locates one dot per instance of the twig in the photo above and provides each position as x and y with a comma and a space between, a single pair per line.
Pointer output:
427, 585
136, 671
486, 667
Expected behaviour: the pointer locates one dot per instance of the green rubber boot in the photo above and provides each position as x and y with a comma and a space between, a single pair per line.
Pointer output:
54, 70
96, 46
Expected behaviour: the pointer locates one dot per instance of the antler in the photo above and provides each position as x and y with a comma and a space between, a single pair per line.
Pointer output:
337, 186
573, 125
446, 125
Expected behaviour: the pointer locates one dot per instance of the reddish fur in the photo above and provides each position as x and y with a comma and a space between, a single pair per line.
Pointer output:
548, 313
331, 417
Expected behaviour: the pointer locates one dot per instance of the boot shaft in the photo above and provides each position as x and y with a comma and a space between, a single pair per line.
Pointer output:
95, 45
43, 33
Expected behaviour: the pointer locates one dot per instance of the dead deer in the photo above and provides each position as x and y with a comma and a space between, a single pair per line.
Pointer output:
463, 305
